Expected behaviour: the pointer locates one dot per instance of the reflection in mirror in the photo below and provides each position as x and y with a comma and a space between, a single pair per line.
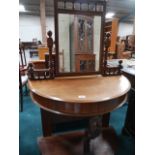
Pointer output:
79, 43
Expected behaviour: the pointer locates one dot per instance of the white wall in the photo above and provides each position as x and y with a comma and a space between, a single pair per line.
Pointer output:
64, 38
97, 30
50, 25
125, 29
29, 27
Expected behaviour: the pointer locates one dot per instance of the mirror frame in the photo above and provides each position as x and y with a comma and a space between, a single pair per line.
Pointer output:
73, 11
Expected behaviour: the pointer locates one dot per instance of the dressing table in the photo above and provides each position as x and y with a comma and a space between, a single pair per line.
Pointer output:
77, 93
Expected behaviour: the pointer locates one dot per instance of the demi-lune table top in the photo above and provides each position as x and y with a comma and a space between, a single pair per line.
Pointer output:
89, 95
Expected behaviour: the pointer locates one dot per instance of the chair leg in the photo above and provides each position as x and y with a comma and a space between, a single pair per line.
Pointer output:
21, 100
26, 89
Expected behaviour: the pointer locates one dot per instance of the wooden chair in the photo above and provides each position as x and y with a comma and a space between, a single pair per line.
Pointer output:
121, 52
22, 56
23, 79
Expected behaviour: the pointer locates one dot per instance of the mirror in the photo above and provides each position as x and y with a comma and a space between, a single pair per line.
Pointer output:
79, 43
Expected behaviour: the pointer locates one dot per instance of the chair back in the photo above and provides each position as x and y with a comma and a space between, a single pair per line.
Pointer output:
22, 56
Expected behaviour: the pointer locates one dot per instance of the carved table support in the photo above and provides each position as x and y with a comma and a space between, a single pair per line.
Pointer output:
94, 130
46, 122
105, 120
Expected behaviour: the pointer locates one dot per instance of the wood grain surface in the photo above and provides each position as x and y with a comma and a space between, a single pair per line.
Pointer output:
80, 96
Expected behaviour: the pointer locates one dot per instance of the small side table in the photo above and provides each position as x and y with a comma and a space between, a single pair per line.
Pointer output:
90, 96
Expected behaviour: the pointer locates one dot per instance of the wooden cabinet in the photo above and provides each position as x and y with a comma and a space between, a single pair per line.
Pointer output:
41, 52
81, 47
85, 62
130, 43
112, 28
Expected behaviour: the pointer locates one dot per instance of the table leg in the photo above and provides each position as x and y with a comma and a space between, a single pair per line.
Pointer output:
129, 127
94, 129
21, 99
46, 119
105, 120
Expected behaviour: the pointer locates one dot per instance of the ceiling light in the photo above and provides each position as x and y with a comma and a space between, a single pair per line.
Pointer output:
110, 15
22, 8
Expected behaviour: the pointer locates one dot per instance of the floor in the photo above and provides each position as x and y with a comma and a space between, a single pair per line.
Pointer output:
30, 129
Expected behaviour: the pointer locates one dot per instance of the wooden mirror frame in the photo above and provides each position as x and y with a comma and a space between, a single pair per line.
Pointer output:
74, 11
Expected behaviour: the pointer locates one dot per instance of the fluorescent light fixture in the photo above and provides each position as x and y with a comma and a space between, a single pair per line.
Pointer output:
22, 8
109, 15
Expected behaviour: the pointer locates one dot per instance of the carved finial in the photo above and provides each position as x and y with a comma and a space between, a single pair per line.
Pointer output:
107, 43
107, 40
120, 64
50, 46
49, 33
49, 40
30, 71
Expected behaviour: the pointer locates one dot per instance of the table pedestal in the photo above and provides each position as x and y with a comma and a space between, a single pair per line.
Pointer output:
48, 124
94, 129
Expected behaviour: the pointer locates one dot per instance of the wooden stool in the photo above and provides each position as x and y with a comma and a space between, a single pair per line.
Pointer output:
72, 143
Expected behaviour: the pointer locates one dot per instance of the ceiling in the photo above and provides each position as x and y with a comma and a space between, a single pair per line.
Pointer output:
123, 9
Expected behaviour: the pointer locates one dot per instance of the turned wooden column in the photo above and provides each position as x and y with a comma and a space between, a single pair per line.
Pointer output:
43, 20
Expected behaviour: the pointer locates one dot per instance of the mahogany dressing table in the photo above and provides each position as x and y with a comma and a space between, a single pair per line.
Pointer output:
77, 94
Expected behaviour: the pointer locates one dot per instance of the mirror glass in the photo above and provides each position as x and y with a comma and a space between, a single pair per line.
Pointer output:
79, 43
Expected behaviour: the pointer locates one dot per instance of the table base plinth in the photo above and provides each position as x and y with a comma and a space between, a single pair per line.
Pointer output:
73, 144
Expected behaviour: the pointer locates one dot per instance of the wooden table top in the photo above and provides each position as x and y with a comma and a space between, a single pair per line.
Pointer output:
79, 91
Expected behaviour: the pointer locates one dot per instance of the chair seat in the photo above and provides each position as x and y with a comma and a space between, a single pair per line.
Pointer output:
72, 144
24, 79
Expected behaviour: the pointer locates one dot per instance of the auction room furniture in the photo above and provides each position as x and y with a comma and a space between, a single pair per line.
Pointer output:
128, 71
77, 97
29, 44
130, 43
81, 41
41, 52
112, 28
22, 56
85, 94
122, 53
33, 52
129, 126
23, 78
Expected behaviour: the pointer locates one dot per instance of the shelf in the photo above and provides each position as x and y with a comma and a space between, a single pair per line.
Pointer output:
107, 29
112, 27
108, 23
